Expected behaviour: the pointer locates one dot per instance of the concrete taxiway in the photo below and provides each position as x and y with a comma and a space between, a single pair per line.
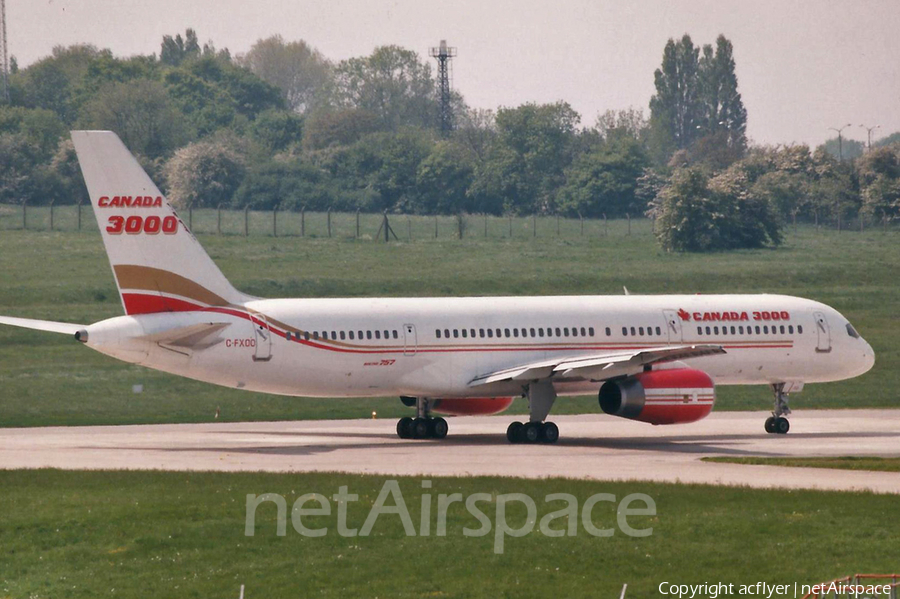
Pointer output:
591, 446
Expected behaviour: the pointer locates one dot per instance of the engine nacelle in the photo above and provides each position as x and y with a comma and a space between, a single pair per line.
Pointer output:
660, 396
471, 406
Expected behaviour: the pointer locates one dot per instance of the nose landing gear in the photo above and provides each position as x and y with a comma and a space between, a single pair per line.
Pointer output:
777, 423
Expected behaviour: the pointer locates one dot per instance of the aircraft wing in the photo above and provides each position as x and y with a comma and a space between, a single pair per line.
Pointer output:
64, 328
597, 367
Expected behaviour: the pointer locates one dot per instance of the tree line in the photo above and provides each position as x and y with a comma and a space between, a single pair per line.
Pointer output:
282, 125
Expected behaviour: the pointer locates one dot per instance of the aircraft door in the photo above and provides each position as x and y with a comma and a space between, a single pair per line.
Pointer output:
824, 333
673, 326
262, 351
410, 341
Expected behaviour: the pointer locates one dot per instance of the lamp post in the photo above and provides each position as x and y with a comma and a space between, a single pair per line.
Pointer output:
840, 140
869, 131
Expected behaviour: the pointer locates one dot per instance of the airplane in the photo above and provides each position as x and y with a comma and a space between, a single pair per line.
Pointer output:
656, 359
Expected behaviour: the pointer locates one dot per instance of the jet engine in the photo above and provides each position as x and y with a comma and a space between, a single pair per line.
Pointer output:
660, 396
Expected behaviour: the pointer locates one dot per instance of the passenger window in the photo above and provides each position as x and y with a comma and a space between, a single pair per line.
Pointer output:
741, 330
574, 332
506, 332
447, 333
732, 330
465, 333
490, 333
608, 332
632, 331
625, 331
351, 334
716, 330
782, 329
708, 331
306, 335
343, 336
524, 333
540, 332
791, 329
515, 332
395, 335
558, 333
437, 333
800, 328
757, 329
699, 330
316, 335
472, 333
378, 334
498, 333
766, 329
641, 331
658, 331
456, 333
481, 333
532, 332
590, 331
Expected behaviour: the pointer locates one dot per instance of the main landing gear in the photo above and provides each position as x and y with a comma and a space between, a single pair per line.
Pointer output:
540, 400
777, 423
423, 426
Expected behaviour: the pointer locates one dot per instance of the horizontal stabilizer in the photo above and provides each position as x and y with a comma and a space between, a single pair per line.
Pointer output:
42, 325
194, 337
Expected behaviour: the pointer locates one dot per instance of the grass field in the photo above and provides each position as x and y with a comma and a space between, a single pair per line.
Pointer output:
152, 534
48, 379
842, 463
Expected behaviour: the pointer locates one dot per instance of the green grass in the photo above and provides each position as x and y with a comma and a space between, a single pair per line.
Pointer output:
839, 463
150, 534
48, 379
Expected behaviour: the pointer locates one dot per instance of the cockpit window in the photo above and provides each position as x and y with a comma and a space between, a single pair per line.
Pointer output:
851, 331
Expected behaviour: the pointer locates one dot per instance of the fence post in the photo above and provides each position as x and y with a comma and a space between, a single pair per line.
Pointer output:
628, 217
839, 221
79, 215
219, 219
246, 221
485, 225
329, 221
191, 218
387, 227
581, 218
557, 224
534, 225
435, 226
51, 213
605, 226
816, 215
275, 221
303, 222
357, 223
25, 214
884, 220
460, 224
861, 220
409, 227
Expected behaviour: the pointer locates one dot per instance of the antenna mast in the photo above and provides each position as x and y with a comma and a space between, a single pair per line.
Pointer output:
4, 57
443, 54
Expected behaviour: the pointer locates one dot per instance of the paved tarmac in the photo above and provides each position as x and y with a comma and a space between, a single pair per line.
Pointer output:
592, 446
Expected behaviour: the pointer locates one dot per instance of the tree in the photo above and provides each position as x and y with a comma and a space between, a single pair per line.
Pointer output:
879, 180
698, 214
52, 83
141, 113
697, 98
326, 128
392, 84
298, 70
205, 173
276, 130
605, 181
526, 163
848, 149
174, 51
443, 179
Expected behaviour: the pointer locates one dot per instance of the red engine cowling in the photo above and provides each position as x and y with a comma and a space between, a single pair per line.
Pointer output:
471, 406
660, 396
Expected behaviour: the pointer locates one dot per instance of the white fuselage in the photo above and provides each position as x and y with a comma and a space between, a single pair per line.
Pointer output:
434, 347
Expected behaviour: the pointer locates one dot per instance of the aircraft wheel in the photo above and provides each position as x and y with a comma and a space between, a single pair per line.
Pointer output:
770, 424
549, 432
531, 432
404, 428
420, 428
782, 426
514, 432
439, 428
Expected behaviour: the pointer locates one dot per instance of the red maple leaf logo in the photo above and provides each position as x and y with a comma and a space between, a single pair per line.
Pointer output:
684, 315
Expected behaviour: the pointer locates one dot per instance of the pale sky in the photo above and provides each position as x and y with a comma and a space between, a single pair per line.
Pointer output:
802, 66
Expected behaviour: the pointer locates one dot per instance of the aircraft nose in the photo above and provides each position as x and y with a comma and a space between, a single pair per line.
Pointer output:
868, 357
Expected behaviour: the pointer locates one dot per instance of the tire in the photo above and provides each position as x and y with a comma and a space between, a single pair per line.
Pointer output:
420, 428
404, 428
531, 432
514, 432
782, 426
770, 424
439, 428
549, 432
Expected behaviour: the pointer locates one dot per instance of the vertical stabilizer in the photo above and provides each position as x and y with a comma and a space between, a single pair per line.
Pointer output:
158, 264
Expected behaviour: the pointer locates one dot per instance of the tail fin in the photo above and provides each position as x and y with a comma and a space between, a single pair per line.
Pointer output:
158, 264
